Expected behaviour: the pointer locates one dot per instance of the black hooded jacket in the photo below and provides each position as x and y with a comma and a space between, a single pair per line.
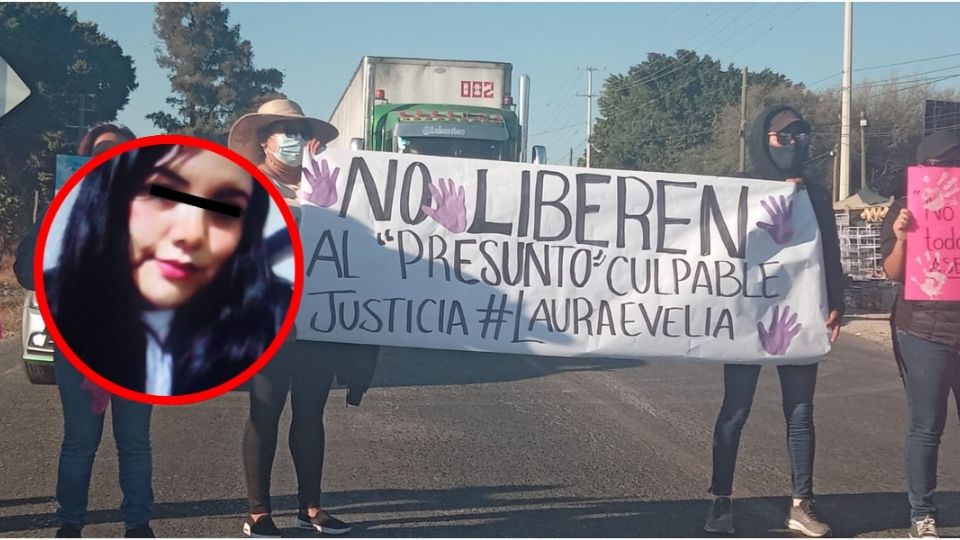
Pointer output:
762, 167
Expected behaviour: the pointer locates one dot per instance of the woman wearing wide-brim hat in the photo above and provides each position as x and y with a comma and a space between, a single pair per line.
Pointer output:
275, 138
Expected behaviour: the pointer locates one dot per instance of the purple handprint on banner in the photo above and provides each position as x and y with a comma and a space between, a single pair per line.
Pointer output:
781, 214
451, 210
323, 183
783, 328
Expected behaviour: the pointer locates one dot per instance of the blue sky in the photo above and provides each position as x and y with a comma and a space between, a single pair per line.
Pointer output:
318, 46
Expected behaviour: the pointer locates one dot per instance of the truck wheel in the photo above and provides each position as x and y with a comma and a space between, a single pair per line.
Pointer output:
40, 373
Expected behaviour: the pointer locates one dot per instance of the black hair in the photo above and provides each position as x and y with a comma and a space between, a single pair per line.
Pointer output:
86, 146
214, 336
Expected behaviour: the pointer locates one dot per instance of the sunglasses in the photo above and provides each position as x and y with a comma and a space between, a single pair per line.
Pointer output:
785, 138
291, 129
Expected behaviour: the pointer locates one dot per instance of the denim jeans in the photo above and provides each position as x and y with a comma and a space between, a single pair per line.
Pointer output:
930, 371
797, 385
82, 430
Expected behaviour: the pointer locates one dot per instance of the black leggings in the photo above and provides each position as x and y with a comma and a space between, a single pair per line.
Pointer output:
309, 369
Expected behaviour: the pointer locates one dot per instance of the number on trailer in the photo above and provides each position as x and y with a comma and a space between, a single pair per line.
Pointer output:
476, 89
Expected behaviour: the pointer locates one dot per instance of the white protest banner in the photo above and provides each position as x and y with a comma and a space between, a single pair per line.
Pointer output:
422, 251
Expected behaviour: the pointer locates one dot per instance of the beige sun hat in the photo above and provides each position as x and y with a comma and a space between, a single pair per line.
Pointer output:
244, 137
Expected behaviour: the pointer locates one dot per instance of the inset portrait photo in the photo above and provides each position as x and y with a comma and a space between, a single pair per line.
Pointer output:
157, 278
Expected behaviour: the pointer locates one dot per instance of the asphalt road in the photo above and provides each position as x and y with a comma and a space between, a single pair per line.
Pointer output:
460, 444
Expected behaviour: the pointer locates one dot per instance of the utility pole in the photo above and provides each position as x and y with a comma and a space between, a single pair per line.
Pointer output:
571, 156
836, 172
743, 120
845, 100
590, 95
863, 150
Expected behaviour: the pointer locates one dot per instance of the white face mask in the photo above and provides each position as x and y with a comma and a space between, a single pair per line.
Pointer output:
289, 149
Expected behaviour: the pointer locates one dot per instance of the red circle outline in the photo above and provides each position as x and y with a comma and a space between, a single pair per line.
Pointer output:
209, 393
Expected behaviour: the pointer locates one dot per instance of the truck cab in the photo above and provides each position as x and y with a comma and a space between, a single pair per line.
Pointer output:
446, 130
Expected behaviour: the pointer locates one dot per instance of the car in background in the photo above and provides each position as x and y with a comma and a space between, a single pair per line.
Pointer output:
37, 346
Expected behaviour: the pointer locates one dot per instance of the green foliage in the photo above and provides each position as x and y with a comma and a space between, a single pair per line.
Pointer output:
212, 77
681, 113
60, 59
664, 107
894, 110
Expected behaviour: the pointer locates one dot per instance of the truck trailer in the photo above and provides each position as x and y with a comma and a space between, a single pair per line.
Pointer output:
448, 108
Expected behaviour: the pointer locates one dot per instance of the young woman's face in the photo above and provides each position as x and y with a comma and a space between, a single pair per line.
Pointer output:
178, 248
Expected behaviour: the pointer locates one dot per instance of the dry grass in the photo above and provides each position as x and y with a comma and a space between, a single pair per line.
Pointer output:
11, 299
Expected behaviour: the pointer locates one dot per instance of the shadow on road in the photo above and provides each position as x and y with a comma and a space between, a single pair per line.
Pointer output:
428, 367
7, 503
533, 511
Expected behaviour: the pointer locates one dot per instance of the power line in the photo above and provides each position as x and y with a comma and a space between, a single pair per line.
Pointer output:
566, 142
560, 87
662, 74
769, 29
917, 61
682, 86
666, 70
664, 58
897, 81
568, 126
570, 100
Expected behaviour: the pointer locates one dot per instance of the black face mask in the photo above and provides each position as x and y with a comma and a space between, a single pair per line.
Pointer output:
790, 158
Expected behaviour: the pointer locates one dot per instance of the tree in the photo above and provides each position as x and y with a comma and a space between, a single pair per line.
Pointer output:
894, 109
62, 60
721, 155
212, 76
665, 106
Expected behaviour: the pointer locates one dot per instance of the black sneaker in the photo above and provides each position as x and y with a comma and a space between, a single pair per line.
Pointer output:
925, 528
261, 528
720, 517
68, 531
803, 520
322, 522
142, 530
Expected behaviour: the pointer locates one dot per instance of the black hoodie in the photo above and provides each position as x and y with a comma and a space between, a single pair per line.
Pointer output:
763, 167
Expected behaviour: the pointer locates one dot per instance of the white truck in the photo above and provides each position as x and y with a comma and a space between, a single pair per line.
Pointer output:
437, 107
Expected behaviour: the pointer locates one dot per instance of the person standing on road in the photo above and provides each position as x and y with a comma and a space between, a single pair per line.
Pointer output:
275, 139
84, 410
927, 339
778, 145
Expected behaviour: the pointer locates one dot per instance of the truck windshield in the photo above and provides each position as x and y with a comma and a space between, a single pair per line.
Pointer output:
449, 147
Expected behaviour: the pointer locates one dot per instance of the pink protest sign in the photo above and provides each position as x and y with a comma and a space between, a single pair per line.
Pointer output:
933, 246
